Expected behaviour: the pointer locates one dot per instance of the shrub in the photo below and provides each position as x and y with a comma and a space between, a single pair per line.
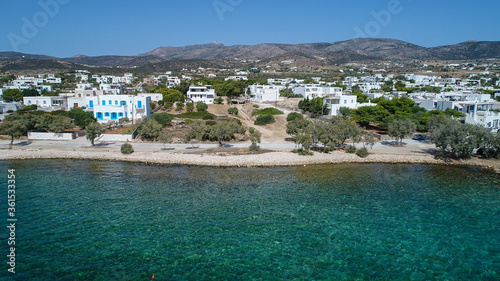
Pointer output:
197, 115
211, 123
350, 149
179, 106
233, 111
127, 148
264, 120
189, 107
256, 106
127, 132
362, 152
254, 147
219, 100
164, 119
201, 107
293, 115
268, 111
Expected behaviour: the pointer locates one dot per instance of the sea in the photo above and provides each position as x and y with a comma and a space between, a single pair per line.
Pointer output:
100, 220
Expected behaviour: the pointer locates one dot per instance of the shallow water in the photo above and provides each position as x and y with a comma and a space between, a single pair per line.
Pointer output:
93, 220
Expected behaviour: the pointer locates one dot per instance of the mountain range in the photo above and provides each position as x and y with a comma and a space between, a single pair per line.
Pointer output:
356, 50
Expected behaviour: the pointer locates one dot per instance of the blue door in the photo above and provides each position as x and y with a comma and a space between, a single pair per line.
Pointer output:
91, 104
139, 104
114, 116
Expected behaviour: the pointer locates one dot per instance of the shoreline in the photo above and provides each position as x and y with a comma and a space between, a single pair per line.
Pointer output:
268, 159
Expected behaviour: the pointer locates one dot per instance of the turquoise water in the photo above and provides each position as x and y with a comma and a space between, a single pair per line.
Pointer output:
92, 220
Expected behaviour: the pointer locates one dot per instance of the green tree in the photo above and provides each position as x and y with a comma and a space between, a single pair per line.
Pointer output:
370, 114
225, 130
81, 117
346, 112
59, 124
30, 92
233, 111
93, 131
171, 96
179, 106
219, 100
255, 138
344, 129
150, 129
11, 95
196, 130
189, 107
201, 107
454, 113
15, 128
165, 137
452, 138
400, 129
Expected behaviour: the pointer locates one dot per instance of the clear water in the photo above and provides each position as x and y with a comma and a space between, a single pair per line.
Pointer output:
92, 220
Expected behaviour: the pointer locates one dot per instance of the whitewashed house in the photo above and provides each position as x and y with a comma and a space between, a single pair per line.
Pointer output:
316, 91
203, 94
47, 103
265, 93
114, 107
335, 101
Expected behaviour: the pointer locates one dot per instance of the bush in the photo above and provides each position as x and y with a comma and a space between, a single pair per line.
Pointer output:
197, 115
264, 120
219, 100
362, 152
127, 148
211, 123
268, 111
233, 111
256, 106
254, 147
294, 115
201, 107
164, 119
350, 149
127, 132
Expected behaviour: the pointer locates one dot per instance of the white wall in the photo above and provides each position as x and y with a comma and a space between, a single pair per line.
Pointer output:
51, 136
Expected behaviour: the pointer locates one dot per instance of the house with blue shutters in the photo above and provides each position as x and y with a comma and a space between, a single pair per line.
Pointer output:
114, 107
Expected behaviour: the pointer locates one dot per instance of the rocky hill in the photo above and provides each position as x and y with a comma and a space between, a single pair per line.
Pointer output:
216, 54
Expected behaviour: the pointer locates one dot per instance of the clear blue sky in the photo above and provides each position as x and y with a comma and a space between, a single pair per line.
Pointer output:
111, 27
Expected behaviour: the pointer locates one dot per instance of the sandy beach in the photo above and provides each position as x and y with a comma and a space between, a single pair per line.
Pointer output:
276, 154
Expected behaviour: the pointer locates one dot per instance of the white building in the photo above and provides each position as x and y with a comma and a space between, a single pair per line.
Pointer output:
316, 91
114, 107
265, 93
336, 101
481, 113
203, 94
173, 81
237, 78
46, 103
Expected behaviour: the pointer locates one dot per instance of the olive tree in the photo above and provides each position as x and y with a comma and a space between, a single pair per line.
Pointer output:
93, 131
165, 137
150, 129
400, 129
15, 128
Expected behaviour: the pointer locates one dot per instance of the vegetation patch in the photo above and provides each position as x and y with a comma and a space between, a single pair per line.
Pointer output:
268, 111
127, 148
197, 115
264, 120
